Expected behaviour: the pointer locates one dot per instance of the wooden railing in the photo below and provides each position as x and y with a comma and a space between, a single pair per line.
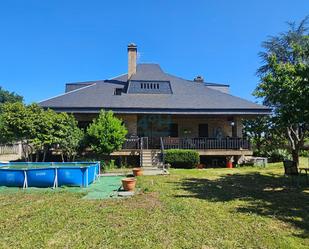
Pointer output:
131, 143
229, 143
233, 143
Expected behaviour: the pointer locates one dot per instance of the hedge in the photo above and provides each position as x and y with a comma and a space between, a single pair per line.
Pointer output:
187, 159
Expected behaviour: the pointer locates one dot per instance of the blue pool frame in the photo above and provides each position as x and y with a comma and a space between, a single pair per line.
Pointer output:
53, 175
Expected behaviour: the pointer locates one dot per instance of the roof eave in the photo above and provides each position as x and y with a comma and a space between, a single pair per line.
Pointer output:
217, 111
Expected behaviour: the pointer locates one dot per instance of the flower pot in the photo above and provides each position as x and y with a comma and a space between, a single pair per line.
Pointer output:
128, 184
137, 172
229, 164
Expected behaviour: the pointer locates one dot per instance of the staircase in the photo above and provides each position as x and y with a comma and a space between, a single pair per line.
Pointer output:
151, 159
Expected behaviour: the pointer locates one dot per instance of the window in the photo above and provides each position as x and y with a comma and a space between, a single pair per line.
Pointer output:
148, 86
118, 91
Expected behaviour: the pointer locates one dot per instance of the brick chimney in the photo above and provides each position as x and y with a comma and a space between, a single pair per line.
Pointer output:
132, 53
199, 79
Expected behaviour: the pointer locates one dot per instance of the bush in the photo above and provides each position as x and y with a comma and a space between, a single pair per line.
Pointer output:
277, 155
304, 153
106, 134
187, 159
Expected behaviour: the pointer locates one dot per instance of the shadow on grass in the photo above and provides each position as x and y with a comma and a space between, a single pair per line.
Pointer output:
267, 195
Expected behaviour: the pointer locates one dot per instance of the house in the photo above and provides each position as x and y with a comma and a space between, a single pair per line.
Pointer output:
163, 111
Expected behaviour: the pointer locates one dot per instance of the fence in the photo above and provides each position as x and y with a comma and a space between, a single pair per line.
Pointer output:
8, 149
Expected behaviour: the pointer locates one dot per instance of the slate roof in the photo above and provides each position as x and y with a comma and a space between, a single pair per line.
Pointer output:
188, 97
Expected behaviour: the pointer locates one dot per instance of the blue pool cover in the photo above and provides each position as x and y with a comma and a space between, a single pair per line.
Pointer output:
23, 174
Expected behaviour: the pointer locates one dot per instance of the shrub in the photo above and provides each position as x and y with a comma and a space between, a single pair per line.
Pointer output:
106, 134
182, 158
304, 153
277, 155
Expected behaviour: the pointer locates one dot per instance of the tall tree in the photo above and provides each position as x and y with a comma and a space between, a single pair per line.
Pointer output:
257, 129
266, 137
11, 97
284, 83
283, 46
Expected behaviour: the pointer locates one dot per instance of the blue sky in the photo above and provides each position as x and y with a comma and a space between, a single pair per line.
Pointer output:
45, 44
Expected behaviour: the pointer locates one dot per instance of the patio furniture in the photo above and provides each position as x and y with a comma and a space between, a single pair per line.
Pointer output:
254, 161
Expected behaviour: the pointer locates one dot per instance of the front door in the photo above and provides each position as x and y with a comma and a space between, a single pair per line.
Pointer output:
203, 130
154, 127
173, 132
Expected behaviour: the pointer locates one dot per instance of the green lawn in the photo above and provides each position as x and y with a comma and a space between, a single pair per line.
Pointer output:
214, 208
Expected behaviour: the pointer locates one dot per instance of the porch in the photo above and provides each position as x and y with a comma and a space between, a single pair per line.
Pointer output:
151, 150
210, 135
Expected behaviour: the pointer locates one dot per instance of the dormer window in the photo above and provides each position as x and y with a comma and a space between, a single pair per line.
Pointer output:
118, 91
150, 87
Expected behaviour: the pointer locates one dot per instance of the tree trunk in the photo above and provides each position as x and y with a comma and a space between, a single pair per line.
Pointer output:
296, 138
44, 155
25, 152
295, 156
37, 156
29, 151
62, 157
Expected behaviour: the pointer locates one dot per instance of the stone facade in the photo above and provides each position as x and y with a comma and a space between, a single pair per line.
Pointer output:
130, 122
187, 125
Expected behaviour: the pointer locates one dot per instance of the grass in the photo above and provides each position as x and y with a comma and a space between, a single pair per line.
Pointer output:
214, 208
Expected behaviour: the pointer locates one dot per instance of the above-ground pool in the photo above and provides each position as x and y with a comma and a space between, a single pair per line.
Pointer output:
23, 174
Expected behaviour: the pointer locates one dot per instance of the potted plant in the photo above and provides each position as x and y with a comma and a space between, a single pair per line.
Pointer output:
128, 184
137, 171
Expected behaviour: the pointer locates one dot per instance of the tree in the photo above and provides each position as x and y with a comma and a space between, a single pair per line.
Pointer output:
11, 97
68, 135
16, 124
39, 130
267, 138
107, 133
257, 129
43, 136
284, 83
282, 46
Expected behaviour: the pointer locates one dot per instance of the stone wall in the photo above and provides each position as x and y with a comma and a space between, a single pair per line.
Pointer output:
187, 126
130, 122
